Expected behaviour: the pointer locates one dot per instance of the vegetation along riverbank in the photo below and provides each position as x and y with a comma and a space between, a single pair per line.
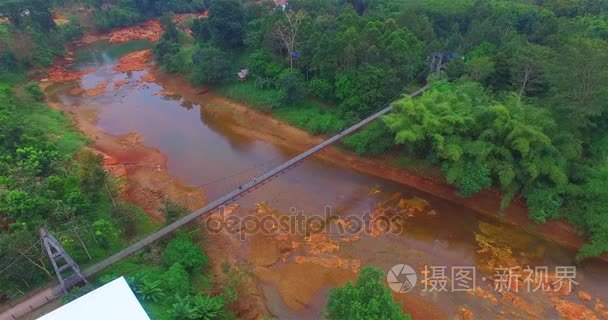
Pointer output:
514, 124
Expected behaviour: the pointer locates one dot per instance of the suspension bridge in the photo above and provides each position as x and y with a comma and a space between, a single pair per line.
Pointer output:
36, 301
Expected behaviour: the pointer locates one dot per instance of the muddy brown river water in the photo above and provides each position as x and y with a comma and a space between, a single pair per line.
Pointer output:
206, 148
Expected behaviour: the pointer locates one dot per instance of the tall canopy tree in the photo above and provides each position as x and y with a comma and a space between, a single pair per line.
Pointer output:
227, 23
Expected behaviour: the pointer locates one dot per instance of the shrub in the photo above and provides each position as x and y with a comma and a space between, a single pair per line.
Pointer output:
210, 66
373, 140
208, 307
258, 61
151, 291
292, 87
184, 251
90, 174
33, 89
176, 280
71, 31
320, 88
172, 210
182, 310
367, 298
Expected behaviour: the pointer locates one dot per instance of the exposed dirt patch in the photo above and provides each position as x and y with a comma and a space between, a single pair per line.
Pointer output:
119, 83
297, 290
281, 258
134, 61
145, 180
181, 18
99, 89
465, 314
150, 30
59, 74
164, 92
76, 91
227, 250
60, 19
573, 311
148, 77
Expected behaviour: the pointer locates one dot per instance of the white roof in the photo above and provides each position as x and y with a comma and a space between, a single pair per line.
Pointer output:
114, 300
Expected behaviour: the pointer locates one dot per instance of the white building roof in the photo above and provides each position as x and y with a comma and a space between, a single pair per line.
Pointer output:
114, 301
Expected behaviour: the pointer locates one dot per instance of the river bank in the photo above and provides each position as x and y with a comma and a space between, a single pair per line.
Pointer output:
140, 107
249, 121
263, 126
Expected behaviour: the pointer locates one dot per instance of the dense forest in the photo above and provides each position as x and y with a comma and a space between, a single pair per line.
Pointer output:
520, 104
48, 178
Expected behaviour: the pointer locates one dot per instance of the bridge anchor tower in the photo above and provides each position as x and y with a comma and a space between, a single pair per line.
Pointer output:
68, 273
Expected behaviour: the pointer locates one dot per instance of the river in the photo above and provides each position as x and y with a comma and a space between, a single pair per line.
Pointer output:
204, 146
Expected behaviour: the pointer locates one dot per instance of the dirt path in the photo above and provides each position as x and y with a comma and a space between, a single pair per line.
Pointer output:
37, 302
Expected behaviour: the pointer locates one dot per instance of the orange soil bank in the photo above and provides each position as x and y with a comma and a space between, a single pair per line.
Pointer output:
134, 61
150, 30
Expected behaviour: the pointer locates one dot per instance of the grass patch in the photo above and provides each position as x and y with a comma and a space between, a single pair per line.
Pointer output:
246, 92
311, 117
60, 130
308, 114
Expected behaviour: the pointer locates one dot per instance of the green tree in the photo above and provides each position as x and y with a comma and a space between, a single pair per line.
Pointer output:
528, 67
211, 66
320, 88
587, 206
34, 90
479, 142
184, 251
167, 48
293, 88
172, 210
365, 90
227, 23
479, 68
23, 11
182, 310
200, 29
105, 233
367, 298
375, 139
579, 76
91, 175
258, 61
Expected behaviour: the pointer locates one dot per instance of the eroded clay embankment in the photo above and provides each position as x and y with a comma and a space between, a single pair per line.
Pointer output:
251, 123
141, 170
276, 260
